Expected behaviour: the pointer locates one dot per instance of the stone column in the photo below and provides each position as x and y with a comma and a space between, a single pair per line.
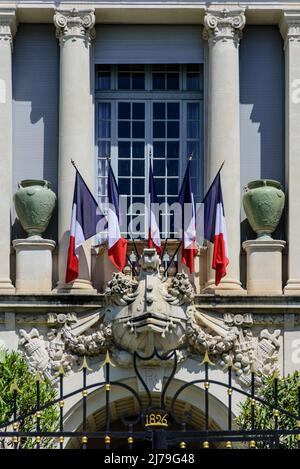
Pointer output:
222, 29
290, 30
75, 32
7, 31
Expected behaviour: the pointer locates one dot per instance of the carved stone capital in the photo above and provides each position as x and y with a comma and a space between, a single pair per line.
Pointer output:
8, 25
74, 24
223, 25
289, 26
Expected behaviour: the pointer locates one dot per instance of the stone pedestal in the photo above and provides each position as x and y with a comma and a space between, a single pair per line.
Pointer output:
102, 267
33, 265
264, 266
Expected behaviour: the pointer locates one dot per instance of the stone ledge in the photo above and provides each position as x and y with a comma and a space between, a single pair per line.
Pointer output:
41, 302
17, 302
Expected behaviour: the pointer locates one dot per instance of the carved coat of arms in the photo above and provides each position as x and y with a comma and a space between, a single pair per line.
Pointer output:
152, 313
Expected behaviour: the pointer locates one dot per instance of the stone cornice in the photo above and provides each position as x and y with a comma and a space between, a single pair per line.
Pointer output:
278, 304
8, 25
223, 25
289, 26
74, 24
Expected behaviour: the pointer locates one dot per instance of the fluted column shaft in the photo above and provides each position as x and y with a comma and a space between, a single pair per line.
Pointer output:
222, 29
290, 30
7, 31
75, 32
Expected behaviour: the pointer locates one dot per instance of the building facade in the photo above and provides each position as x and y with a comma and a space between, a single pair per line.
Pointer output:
134, 80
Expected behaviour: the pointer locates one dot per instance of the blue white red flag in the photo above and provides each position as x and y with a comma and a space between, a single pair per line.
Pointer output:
211, 223
186, 200
153, 232
117, 246
84, 224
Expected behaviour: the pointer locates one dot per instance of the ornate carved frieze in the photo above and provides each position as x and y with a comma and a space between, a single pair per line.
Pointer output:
154, 313
8, 26
271, 319
74, 24
223, 25
36, 351
290, 27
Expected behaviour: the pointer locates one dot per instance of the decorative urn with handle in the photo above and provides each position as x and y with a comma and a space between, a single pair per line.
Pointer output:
263, 203
34, 202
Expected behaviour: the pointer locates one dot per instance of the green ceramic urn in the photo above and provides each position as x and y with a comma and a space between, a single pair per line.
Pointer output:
34, 202
263, 203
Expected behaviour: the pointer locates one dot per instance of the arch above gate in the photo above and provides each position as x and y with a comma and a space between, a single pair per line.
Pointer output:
123, 403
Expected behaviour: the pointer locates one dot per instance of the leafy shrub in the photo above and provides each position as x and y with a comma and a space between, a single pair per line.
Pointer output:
14, 369
264, 418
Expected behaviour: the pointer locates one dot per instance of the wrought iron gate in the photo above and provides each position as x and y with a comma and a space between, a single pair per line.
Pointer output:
156, 423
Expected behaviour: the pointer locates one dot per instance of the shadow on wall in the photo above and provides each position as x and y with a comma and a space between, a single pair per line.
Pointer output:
35, 111
262, 111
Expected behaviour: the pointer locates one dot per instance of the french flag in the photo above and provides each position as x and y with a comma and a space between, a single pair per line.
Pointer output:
153, 233
186, 200
211, 217
117, 246
84, 224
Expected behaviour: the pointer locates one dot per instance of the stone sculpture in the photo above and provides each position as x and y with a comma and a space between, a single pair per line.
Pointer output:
153, 313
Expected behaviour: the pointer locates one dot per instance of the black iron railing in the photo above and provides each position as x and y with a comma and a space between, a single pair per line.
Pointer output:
158, 424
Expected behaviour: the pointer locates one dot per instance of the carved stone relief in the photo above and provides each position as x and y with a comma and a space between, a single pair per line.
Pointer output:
153, 313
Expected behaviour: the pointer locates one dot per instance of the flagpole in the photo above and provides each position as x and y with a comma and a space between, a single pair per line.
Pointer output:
73, 163
130, 233
222, 164
151, 185
149, 201
132, 266
135, 248
166, 270
163, 251
167, 239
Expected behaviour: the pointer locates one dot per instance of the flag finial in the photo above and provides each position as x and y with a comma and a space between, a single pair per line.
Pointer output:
73, 163
222, 165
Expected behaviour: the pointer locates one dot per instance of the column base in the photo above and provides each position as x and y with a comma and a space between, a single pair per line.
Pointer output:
6, 287
226, 287
33, 265
292, 287
78, 287
264, 266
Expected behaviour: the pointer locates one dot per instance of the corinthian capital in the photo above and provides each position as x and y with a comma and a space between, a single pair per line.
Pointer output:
8, 25
74, 24
290, 26
224, 25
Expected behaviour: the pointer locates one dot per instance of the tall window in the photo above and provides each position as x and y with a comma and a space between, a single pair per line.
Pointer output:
145, 110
